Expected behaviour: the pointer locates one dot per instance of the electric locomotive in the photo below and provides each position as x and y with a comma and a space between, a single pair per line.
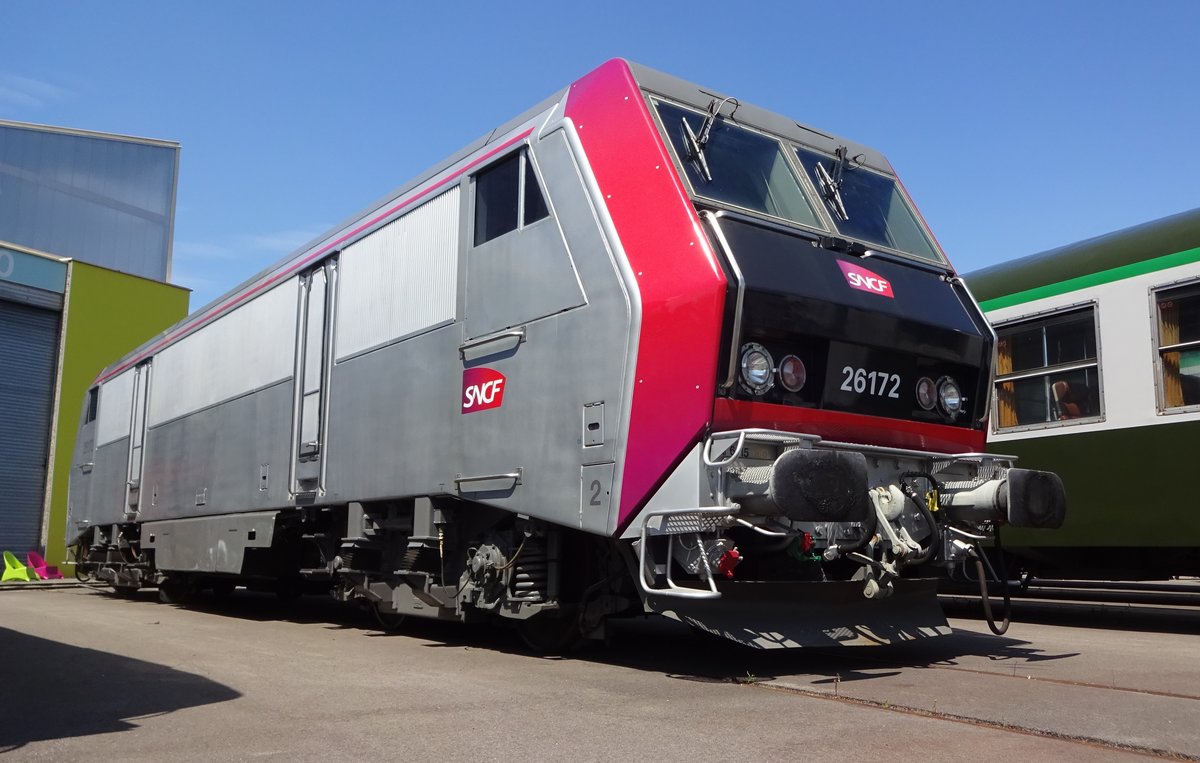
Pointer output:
642, 349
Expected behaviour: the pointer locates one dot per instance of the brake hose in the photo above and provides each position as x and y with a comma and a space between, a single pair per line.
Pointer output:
981, 573
935, 538
869, 526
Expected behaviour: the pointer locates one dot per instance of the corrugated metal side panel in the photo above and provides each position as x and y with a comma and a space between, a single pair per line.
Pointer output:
116, 403
28, 349
248, 349
400, 279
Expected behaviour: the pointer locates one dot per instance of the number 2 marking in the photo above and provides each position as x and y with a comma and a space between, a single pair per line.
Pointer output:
860, 380
595, 487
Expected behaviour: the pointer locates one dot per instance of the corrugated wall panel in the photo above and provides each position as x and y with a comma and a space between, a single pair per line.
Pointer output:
97, 199
248, 349
401, 279
116, 403
28, 352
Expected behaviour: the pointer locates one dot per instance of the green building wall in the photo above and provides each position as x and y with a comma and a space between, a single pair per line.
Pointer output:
105, 315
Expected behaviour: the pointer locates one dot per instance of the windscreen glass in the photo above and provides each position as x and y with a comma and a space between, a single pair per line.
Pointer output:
736, 166
867, 206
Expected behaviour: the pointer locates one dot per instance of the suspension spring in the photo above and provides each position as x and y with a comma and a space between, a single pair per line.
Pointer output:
531, 573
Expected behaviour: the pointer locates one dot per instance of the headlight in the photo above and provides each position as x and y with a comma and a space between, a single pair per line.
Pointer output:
792, 373
756, 368
950, 397
926, 393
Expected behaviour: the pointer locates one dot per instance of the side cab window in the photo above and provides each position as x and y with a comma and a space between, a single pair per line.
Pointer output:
518, 266
93, 405
507, 197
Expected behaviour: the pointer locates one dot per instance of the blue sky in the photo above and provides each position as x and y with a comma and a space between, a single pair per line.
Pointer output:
1016, 126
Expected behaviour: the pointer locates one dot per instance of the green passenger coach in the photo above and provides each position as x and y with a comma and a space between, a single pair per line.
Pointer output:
1098, 379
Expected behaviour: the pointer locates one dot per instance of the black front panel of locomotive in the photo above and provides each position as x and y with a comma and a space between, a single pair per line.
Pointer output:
867, 329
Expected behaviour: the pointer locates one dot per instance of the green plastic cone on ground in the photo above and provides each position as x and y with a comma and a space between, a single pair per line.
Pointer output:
14, 570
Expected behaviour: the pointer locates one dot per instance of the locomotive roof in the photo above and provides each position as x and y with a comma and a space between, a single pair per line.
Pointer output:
650, 80
1157, 238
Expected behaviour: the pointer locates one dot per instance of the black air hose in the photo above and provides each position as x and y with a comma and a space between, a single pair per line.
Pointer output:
935, 538
869, 526
981, 573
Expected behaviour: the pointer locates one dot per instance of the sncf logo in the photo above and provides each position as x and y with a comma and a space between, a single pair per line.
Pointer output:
864, 280
483, 388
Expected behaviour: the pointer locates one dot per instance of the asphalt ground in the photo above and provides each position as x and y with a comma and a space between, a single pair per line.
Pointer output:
85, 674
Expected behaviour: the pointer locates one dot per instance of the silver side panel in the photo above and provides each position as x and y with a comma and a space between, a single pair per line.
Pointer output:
208, 544
400, 280
83, 465
251, 348
116, 404
214, 461
104, 500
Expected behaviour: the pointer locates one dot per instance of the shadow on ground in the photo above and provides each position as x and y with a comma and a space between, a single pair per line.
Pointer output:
53, 690
653, 644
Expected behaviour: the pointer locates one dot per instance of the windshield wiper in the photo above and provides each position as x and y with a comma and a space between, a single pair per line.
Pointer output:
696, 143
831, 184
695, 146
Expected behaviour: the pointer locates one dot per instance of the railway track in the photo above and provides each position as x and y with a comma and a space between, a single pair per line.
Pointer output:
1174, 599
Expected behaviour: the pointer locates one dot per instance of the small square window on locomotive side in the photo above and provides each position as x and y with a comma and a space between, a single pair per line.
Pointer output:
1179, 346
507, 197
497, 190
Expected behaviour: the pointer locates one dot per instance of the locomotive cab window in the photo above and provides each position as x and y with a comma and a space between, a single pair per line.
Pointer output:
867, 205
1178, 345
507, 197
93, 401
1048, 371
736, 166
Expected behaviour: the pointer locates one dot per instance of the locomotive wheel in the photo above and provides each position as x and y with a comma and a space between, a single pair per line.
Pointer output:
388, 621
551, 633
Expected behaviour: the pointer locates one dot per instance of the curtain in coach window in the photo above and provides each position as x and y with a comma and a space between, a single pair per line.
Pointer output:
1168, 334
1006, 392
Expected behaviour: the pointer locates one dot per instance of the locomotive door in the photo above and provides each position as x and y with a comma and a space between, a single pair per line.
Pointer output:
314, 330
137, 438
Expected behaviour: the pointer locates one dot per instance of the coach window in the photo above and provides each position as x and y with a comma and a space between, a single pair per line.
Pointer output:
507, 197
1179, 346
1047, 370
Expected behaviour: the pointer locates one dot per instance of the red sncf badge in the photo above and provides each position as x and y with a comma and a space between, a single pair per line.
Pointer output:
483, 388
864, 280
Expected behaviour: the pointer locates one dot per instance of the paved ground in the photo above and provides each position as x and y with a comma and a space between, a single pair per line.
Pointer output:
86, 674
